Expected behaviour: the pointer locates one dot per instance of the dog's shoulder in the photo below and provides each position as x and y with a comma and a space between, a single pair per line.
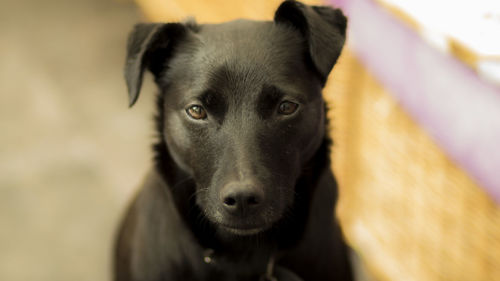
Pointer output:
154, 230
154, 207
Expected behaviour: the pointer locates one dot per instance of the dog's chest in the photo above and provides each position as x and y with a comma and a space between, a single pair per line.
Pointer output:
206, 265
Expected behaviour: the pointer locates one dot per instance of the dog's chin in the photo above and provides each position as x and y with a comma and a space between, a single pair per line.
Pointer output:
241, 226
237, 228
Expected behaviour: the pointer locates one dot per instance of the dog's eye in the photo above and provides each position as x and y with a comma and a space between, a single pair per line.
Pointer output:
287, 107
196, 112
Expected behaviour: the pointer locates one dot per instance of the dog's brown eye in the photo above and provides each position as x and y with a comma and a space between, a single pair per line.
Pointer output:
196, 112
287, 108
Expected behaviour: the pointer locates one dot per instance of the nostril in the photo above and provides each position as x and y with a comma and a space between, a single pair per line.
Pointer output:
240, 198
229, 201
252, 200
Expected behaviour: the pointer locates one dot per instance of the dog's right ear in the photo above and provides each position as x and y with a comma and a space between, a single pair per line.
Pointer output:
149, 46
323, 27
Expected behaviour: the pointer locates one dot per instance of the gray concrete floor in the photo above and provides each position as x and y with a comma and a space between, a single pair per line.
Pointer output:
71, 152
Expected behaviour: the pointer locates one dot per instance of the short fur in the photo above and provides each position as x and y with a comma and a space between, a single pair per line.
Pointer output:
240, 72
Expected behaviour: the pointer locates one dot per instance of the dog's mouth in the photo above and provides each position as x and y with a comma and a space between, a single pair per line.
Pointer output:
243, 231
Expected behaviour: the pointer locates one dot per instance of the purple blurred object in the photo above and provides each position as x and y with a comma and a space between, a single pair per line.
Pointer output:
456, 107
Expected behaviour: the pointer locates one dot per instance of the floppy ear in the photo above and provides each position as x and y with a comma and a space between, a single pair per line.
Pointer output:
323, 28
149, 46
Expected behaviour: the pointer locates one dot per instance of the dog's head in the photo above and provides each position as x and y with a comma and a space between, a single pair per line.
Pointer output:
242, 105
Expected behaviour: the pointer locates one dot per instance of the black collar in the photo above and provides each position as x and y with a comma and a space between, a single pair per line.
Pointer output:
209, 258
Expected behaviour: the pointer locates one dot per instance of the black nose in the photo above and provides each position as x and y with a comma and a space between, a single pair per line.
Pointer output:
240, 199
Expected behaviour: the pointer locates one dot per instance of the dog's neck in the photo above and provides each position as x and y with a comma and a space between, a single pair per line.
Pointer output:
283, 235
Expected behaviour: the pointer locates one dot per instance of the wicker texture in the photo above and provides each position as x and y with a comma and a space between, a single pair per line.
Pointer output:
405, 207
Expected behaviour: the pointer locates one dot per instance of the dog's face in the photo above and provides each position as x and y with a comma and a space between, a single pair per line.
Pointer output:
242, 106
242, 116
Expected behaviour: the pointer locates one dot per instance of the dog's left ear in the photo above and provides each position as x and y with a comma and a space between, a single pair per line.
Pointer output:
323, 27
149, 47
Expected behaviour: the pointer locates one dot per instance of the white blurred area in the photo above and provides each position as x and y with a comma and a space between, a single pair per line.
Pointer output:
473, 23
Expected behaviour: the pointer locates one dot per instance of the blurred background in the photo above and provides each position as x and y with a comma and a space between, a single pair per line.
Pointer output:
71, 153
415, 101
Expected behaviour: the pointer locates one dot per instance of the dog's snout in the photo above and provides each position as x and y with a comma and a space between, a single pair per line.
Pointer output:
240, 198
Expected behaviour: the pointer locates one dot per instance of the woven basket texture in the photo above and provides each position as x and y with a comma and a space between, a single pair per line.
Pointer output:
409, 211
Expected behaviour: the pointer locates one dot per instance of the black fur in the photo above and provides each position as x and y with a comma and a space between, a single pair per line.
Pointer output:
239, 72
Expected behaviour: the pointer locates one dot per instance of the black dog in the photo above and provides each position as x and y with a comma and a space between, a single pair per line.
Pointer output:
242, 187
